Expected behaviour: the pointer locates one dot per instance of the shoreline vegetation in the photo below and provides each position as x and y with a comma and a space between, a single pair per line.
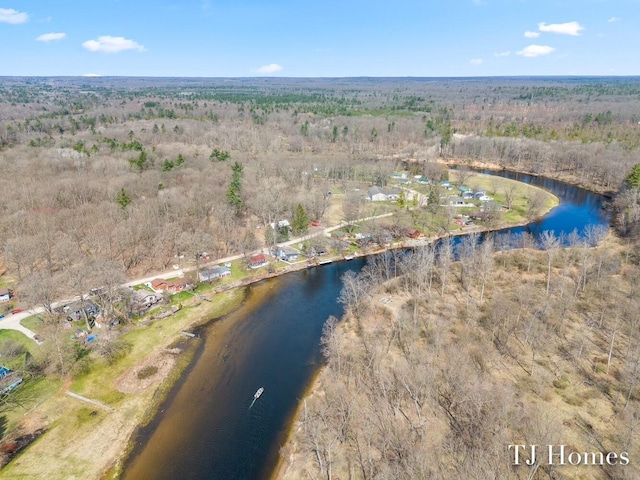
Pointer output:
108, 179
528, 352
159, 351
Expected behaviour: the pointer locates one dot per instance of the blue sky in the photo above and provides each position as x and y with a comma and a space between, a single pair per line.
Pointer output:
319, 38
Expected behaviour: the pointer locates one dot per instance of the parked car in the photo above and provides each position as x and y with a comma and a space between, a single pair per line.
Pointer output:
17, 310
1, 315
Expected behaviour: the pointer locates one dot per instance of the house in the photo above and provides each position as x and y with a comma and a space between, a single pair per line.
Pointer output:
317, 250
282, 224
214, 273
363, 239
375, 194
145, 298
339, 245
468, 195
287, 254
411, 233
258, 261
81, 310
339, 234
383, 238
392, 193
456, 200
179, 285
158, 285
5, 294
463, 189
9, 380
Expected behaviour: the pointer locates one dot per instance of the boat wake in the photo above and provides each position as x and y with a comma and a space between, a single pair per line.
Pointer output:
256, 396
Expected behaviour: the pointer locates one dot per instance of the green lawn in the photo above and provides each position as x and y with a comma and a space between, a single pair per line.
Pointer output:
98, 382
33, 323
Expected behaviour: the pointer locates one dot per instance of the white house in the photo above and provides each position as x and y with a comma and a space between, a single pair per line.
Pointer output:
375, 194
5, 295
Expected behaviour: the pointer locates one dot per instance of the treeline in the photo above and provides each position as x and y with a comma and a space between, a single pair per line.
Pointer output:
440, 365
137, 171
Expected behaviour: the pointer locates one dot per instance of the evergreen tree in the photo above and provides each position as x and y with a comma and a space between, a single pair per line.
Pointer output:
402, 199
219, 155
633, 179
300, 224
233, 193
304, 129
123, 199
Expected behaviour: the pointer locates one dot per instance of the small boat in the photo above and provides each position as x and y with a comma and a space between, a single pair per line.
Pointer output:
258, 393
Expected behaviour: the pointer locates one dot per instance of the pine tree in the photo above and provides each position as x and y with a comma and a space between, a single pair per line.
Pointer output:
633, 179
123, 199
402, 199
233, 193
300, 224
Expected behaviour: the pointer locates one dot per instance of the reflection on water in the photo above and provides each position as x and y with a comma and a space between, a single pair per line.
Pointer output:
207, 429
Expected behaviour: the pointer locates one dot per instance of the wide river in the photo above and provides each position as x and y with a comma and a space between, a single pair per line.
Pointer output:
206, 430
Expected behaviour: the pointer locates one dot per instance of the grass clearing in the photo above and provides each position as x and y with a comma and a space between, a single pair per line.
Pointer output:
17, 337
33, 323
99, 382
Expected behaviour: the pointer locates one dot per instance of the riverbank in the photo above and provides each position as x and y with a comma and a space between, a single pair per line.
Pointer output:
83, 441
461, 375
135, 396
560, 176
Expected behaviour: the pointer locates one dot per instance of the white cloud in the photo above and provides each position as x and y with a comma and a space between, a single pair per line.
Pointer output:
535, 51
92, 75
531, 34
476, 61
271, 68
569, 28
109, 44
51, 37
9, 15
502, 54
613, 19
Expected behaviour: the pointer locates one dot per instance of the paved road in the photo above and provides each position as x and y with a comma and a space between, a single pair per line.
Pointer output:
12, 322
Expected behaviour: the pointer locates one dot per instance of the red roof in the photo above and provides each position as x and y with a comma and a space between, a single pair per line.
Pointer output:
261, 258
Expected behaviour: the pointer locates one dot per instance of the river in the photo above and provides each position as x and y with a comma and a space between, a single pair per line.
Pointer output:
206, 430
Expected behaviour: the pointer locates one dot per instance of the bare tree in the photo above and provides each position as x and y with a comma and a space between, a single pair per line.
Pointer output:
550, 243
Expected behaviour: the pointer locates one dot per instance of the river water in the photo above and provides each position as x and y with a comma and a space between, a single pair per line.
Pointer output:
206, 429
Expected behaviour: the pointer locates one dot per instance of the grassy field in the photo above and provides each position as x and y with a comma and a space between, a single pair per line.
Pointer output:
71, 423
